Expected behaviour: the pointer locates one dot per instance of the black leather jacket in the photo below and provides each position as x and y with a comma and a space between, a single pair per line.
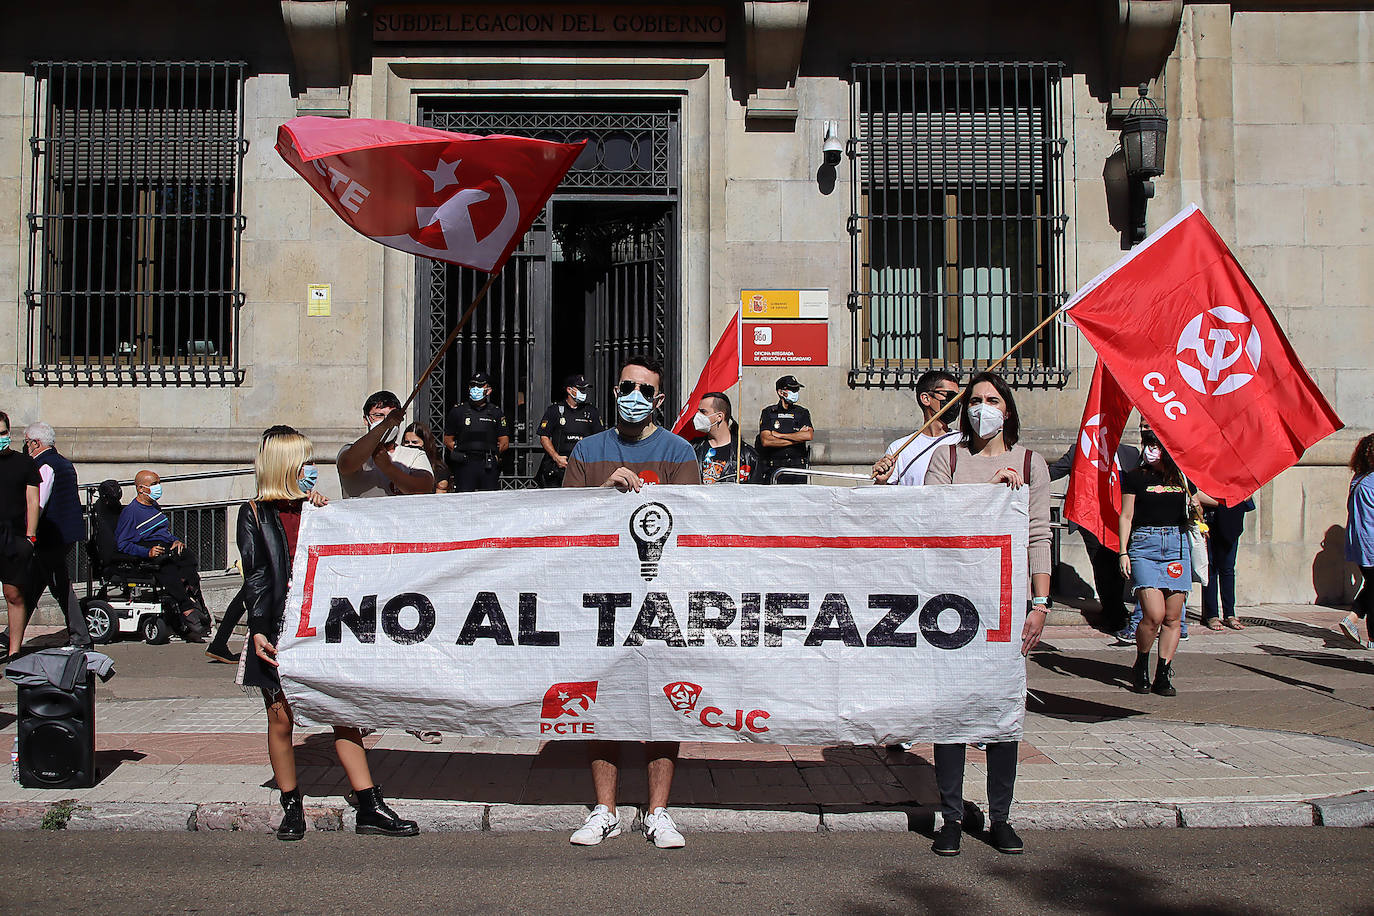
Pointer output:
266, 567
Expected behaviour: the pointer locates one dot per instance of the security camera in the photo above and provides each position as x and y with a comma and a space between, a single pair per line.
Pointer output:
832, 148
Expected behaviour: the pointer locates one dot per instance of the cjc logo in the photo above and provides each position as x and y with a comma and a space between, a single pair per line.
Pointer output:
572, 700
683, 696
1218, 351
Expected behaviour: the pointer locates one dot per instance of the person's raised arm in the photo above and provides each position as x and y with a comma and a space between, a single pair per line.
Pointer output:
409, 481
352, 459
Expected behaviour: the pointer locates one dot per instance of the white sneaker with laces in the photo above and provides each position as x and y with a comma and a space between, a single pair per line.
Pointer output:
601, 824
660, 830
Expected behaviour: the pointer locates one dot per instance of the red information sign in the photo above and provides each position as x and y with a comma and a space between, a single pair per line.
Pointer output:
785, 343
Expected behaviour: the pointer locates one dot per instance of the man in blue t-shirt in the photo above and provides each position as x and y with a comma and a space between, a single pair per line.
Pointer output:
144, 531
632, 454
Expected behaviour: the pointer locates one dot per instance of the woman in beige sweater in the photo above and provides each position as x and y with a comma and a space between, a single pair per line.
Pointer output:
988, 453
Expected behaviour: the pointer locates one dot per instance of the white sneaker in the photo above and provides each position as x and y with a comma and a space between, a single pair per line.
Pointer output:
660, 830
601, 824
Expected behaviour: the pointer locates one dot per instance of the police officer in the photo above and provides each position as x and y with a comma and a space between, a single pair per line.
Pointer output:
784, 431
476, 434
565, 424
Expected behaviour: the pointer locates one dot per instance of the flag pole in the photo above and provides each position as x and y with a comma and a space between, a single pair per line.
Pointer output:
453, 335
952, 401
739, 394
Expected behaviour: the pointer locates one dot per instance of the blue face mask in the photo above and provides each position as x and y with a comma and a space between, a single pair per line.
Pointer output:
633, 407
579, 396
155, 492
310, 475
477, 393
4, 442
791, 397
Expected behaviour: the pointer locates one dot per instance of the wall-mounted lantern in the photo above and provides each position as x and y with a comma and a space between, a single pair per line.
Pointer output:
1143, 133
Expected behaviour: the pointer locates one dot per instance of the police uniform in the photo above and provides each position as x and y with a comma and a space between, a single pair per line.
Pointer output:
474, 459
565, 426
784, 418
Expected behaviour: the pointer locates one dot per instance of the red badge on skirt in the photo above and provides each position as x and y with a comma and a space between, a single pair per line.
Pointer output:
1175, 570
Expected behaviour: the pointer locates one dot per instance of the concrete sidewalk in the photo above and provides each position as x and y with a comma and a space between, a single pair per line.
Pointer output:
201, 764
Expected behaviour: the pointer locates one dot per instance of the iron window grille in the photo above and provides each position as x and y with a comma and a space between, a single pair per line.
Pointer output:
957, 220
135, 224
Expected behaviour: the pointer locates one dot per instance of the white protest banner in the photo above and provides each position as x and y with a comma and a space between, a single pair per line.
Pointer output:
780, 615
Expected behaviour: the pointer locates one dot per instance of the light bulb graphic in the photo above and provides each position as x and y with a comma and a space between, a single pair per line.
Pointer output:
650, 526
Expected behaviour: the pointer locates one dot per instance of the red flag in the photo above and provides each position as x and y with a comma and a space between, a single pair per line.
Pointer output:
452, 197
1181, 327
1093, 500
720, 372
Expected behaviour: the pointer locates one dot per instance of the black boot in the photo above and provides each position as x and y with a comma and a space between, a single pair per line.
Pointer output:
375, 817
1141, 680
292, 826
1164, 679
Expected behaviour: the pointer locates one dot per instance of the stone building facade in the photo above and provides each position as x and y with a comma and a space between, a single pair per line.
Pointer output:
979, 183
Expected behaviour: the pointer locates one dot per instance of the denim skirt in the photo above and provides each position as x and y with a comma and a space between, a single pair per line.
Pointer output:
1160, 559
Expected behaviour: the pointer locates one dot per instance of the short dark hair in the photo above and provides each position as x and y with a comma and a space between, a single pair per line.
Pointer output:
722, 399
1011, 427
929, 380
381, 398
1361, 460
6, 418
646, 362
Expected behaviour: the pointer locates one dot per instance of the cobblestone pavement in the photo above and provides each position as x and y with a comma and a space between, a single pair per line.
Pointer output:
1270, 722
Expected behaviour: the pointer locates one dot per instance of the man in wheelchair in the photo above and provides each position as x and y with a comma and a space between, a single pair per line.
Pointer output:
145, 532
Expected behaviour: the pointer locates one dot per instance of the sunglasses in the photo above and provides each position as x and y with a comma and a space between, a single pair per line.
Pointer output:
629, 387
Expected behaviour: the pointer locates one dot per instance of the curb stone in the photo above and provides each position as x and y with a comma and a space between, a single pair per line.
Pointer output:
446, 817
730, 820
134, 816
866, 822
507, 818
1355, 810
25, 816
1247, 814
1093, 815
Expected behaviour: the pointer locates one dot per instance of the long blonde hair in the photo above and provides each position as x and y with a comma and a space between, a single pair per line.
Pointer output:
278, 465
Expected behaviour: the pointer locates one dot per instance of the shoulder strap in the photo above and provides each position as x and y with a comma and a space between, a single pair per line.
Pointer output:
953, 459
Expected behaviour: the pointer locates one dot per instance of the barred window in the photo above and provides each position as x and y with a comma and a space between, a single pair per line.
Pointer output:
135, 223
957, 220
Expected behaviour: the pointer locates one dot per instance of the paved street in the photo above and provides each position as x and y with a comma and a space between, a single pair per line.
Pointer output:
1270, 721
1121, 873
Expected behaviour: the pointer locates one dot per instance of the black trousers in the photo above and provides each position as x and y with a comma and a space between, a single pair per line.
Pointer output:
949, 776
473, 475
1364, 598
1108, 582
179, 574
232, 615
50, 571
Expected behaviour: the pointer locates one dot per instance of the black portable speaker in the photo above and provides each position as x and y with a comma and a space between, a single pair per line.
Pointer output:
57, 736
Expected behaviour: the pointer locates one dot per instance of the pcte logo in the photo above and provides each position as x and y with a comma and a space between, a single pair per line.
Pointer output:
1218, 351
572, 702
683, 696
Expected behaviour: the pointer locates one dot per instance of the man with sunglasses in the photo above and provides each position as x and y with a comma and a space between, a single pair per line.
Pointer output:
632, 454
784, 431
934, 389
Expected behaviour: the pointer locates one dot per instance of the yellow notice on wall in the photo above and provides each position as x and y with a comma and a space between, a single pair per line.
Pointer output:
318, 298
772, 304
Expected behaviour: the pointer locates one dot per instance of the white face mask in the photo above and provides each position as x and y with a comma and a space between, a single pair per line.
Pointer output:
1152, 454
701, 423
579, 396
987, 420
391, 434
791, 397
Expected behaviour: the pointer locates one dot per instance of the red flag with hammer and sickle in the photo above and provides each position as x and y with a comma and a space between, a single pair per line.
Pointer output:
452, 197
1183, 330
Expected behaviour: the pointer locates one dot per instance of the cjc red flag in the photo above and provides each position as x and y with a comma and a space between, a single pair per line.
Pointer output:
720, 372
1196, 350
452, 197
1093, 500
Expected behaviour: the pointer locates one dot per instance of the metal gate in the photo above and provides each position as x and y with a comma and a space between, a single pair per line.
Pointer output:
592, 282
